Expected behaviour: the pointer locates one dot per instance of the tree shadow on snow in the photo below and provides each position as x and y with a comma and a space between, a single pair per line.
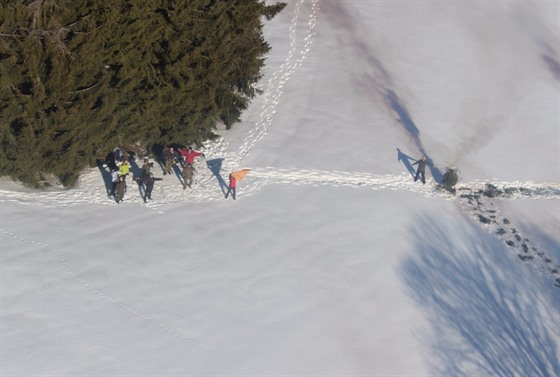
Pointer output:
215, 167
550, 59
404, 118
488, 313
374, 81
553, 66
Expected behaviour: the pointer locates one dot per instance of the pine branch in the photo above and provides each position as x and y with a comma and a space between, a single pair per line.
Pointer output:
86, 89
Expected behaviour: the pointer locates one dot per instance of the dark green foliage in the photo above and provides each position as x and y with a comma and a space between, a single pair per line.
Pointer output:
78, 78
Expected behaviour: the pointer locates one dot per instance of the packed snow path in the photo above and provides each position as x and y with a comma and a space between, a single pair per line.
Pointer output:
475, 197
210, 180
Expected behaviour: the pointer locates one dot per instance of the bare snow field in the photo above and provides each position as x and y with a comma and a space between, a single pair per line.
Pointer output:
332, 261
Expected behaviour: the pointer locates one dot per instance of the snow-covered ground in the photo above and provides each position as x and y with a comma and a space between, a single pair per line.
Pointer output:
331, 261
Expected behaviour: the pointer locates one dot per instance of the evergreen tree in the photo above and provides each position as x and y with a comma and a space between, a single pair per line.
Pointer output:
78, 78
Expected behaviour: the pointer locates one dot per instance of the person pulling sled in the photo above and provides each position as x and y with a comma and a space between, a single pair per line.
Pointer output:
235, 177
231, 187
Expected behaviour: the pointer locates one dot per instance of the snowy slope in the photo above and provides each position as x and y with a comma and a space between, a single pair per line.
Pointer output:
332, 261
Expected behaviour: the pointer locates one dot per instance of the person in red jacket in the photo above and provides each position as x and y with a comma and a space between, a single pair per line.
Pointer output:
190, 155
231, 188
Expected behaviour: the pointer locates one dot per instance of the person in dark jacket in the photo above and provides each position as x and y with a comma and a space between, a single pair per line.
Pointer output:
421, 171
170, 158
121, 189
149, 184
146, 168
114, 180
118, 156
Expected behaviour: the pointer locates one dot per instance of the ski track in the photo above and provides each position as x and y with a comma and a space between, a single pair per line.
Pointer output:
91, 188
68, 271
206, 187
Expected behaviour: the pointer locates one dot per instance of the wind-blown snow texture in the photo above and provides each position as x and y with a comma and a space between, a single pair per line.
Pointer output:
332, 261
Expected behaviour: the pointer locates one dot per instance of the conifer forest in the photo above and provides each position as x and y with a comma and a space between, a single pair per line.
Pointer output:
79, 78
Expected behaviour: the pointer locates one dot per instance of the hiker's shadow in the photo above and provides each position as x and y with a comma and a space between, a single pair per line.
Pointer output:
157, 151
136, 172
178, 172
436, 173
106, 175
406, 162
215, 167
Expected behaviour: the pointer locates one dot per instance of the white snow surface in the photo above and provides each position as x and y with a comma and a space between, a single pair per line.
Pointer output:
332, 261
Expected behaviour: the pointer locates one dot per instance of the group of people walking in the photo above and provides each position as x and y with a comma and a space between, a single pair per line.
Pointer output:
120, 167
120, 170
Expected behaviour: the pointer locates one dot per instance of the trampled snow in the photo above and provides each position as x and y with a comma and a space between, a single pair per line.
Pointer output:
331, 261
